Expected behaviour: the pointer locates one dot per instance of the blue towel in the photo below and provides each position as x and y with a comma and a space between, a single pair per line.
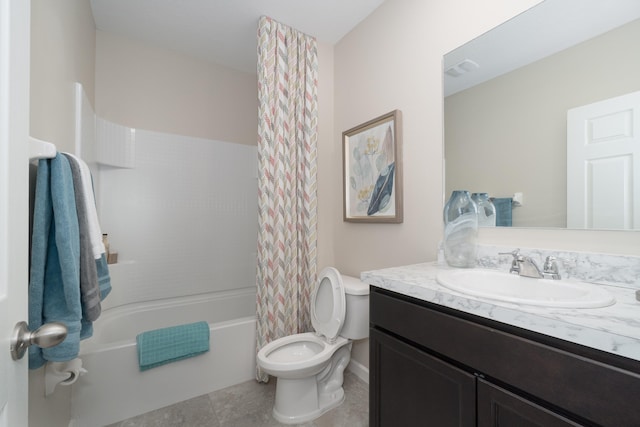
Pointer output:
504, 210
104, 280
161, 346
54, 284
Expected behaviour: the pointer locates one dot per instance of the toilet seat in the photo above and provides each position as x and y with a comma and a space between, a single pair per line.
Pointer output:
301, 366
328, 304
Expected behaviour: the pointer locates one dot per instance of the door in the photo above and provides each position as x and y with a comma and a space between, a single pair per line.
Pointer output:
14, 203
603, 164
499, 407
409, 387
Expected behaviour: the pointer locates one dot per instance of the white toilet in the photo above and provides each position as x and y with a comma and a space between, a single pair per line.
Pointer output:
309, 366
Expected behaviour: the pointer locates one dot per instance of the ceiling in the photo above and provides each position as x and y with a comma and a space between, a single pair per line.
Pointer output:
224, 31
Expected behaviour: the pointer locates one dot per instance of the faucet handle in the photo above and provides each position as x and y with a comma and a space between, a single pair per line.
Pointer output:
515, 253
517, 259
550, 263
550, 268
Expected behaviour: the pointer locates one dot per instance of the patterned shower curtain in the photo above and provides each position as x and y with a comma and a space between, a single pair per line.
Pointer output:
287, 137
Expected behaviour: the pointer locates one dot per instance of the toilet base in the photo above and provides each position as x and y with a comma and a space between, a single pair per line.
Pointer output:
304, 399
307, 404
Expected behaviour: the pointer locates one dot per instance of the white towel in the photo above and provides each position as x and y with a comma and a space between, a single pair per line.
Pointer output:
95, 232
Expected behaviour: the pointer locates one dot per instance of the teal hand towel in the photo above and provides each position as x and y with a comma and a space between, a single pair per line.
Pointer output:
504, 209
166, 345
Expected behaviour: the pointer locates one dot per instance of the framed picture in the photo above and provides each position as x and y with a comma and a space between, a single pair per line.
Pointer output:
372, 170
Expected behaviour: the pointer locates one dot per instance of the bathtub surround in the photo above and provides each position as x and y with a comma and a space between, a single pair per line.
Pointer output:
287, 138
115, 388
115, 144
178, 233
186, 244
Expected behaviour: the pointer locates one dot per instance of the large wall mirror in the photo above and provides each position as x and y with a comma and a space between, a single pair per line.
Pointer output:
526, 102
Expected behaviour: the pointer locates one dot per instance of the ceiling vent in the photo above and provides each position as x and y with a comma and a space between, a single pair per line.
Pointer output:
461, 68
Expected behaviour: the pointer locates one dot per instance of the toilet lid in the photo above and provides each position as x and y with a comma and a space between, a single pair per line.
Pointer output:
328, 304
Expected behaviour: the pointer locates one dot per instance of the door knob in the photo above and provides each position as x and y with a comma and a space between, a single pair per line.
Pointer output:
45, 336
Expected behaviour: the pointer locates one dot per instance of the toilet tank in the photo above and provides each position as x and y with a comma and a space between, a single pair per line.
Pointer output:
356, 318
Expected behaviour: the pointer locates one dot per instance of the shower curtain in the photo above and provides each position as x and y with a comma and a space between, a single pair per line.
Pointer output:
287, 137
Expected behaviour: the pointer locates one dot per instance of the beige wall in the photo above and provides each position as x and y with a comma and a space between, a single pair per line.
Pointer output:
501, 134
147, 87
62, 53
393, 60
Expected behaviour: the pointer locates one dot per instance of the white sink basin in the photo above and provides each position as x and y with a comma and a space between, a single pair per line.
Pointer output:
503, 286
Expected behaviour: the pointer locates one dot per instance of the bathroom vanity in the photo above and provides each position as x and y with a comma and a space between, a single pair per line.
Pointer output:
442, 358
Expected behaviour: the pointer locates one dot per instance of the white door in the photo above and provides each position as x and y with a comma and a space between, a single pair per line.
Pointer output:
14, 203
603, 164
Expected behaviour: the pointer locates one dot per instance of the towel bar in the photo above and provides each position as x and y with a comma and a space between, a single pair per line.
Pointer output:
39, 149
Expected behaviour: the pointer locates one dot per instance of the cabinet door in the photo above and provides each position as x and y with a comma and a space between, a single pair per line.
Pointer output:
409, 387
498, 407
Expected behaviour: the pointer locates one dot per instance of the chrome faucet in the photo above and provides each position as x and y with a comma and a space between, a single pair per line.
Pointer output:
525, 266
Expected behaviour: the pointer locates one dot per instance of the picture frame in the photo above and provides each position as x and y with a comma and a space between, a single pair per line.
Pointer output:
372, 170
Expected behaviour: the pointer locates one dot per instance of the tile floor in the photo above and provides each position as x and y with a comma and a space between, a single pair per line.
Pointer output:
250, 404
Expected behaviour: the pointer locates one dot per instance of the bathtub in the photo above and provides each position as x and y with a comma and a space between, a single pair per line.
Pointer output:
114, 389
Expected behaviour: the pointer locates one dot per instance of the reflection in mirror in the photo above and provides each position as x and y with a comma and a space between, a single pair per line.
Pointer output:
508, 95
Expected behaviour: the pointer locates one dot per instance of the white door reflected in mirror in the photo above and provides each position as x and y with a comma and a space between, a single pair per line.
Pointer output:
603, 164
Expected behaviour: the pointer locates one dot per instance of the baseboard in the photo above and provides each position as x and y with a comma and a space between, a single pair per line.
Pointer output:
359, 370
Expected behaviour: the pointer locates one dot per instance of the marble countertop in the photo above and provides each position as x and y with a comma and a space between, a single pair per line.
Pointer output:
614, 329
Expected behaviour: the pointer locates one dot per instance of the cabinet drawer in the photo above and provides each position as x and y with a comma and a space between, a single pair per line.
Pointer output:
590, 389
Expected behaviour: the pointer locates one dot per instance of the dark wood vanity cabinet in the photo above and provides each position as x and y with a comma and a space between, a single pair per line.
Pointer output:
434, 366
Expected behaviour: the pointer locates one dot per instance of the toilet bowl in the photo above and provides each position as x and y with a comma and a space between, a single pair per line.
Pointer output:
299, 355
309, 366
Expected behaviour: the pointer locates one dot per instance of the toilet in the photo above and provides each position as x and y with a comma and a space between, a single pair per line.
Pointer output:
310, 366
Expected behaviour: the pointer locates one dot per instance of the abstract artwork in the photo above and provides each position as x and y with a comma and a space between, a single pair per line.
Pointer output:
372, 170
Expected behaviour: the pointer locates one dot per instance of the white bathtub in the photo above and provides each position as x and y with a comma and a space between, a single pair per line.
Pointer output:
114, 389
